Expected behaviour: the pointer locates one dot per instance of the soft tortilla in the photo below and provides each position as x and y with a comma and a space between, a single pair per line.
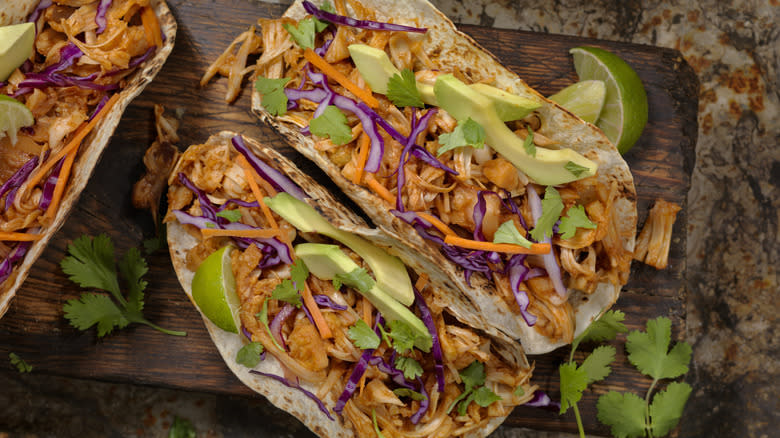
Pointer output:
445, 45
228, 344
15, 11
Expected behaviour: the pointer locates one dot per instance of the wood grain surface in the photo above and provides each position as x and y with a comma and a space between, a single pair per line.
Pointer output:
34, 326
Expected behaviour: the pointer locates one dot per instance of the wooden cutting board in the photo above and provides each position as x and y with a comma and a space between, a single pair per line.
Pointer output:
34, 326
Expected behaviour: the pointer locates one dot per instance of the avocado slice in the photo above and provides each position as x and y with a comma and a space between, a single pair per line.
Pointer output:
549, 167
508, 106
374, 65
16, 45
390, 272
325, 261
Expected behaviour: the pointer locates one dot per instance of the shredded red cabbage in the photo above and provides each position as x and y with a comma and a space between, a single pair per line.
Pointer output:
49, 185
99, 107
273, 176
38, 9
238, 202
100, 16
427, 318
17, 179
542, 400
43, 80
206, 207
418, 126
7, 265
395, 374
278, 321
361, 24
325, 301
289, 384
68, 55
550, 263
352, 382
518, 273
424, 403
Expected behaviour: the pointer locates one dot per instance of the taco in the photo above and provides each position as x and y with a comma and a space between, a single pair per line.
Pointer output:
339, 352
521, 210
89, 60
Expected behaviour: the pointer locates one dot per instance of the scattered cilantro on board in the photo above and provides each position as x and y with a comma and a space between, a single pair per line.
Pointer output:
19, 363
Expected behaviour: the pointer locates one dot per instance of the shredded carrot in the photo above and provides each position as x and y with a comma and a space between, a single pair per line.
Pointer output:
362, 383
367, 308
421, 282
536, 248
316, 315
380, 189
151, 26
436, 222
59, 188
249, 174
252, 234
73, 144
7, 236
364, 143
265, 185
339, 77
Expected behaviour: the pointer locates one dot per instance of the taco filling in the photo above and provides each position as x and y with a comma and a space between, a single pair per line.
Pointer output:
83, 55
462, 162
408, 371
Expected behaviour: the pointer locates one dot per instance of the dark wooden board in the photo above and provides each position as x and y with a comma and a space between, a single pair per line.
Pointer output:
35, 328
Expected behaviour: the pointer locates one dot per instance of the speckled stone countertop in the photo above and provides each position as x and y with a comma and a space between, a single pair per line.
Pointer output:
733, 233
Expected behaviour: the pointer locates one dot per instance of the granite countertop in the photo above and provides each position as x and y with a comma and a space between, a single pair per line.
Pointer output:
732, 235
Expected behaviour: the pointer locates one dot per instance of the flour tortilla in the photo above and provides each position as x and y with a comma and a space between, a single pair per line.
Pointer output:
445, 45
228, 344
16, 11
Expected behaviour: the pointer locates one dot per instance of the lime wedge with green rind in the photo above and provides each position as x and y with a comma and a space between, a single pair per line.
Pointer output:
585, 99
624, 115
13, 116
214, 290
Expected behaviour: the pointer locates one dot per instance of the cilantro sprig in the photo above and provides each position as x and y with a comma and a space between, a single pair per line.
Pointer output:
332, 123
363, 336
91, 265
19, 363
575, 218
250, 354
552, 206
402, 90
473, 378
272, 92
467, 133
181, 428
289, 290
304, 32
508, 233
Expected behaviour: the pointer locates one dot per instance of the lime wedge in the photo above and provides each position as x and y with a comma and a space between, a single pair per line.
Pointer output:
13, 115
585, 99
214, 290
16, 45
624, 115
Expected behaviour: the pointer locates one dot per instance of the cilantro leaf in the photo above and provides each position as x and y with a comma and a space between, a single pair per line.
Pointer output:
605, 328
519, 391
332, 123
231, 215
132, 268
623, 412
262, 316
93, 309
363, 336
667, 407
485, 397
410, 367
285, 291
473, 375
249, 354
181, 428
406, 392
465, 403
575, 218
552, 206
648, 351
402, 90
303, 34
402, 335
19, 363
508, 233
575, 168
358, 279
91, 264
273, 97
596, 366
299, 272
327, 7
528, 143
467, 133
573, 381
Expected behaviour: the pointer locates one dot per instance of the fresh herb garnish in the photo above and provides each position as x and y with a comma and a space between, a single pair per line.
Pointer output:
575, 218
91, 265
467, 133
473, 378
552, 206
303, 34
508, 233
402, 90
290, 288
575, 168
376, 426
519, 391
363, 336
181, 428
19, 363
332, 123
249, 354
528, 143
262, 316
230, 215
402, 336
273, 97
358, 279
406, 392
409, 366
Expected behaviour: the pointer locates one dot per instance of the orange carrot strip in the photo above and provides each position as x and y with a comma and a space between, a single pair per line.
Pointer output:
509, 248
421, 282
436, 222
249, 174
7, 236
380, 189
59, 188
152, 27
339, 77
316, 315
253, 233
367, 307
364, 143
